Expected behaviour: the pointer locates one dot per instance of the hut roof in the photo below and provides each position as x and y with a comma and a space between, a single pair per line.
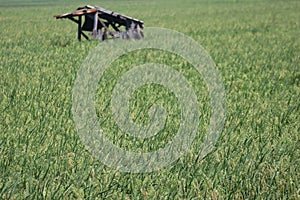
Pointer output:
103, 13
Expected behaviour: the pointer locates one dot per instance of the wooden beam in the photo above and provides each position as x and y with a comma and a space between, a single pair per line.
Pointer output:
79, 28
72, 19
84, 35
95, 25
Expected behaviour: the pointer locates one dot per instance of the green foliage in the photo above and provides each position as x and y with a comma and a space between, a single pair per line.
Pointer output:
256, 47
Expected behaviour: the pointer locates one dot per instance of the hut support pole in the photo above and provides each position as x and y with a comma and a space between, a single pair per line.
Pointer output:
79, 28
95, 25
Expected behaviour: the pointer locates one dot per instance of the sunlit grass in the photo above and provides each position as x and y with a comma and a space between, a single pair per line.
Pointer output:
256, 48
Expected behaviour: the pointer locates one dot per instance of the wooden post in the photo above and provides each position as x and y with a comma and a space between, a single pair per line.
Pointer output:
79, 28
139, 31
95, 25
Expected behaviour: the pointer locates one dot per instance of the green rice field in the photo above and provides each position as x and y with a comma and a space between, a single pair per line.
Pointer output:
256, 48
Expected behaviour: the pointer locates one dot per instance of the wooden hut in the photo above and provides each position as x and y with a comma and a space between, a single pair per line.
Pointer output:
103, 24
